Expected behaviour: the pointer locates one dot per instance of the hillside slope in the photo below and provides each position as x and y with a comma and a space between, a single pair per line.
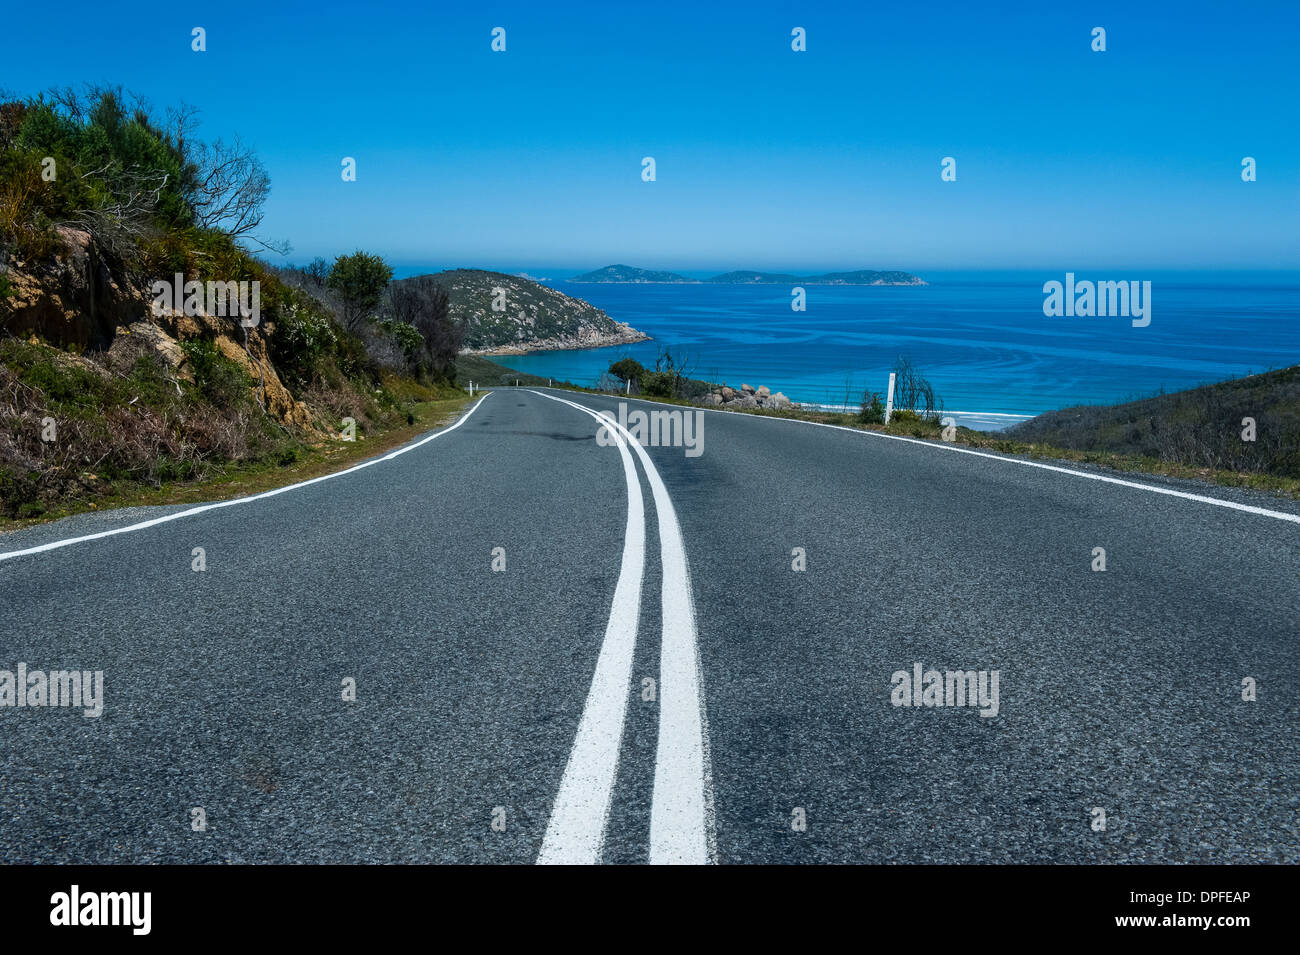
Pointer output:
1201, 427
525, 316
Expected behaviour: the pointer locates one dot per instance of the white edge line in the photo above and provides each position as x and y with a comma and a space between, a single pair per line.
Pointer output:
942, 446
575, 833
68, 542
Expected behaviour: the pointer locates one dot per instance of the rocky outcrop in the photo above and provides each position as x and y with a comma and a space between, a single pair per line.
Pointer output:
583, 338
79, 299
163, 334
747, 397
75, 298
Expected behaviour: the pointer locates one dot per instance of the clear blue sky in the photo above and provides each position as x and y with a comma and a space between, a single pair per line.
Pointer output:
767, 158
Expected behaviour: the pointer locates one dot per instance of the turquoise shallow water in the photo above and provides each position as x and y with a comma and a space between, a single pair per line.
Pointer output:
983, 342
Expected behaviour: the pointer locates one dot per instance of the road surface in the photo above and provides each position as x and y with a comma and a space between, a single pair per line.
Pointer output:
504, 592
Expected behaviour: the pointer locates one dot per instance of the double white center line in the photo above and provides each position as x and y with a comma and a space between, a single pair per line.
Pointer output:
681, 823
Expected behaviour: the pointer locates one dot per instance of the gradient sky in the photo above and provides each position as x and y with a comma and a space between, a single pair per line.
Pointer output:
828, 159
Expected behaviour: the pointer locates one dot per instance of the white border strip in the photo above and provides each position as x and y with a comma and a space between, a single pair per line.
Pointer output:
942, 446
55, 545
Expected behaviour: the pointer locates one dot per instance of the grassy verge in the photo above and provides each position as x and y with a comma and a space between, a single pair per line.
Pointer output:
243, 479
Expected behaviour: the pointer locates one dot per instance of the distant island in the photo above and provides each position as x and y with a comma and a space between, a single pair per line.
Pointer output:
625, 273
628, 275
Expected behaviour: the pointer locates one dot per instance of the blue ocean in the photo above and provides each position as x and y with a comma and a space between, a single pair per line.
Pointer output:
981, 339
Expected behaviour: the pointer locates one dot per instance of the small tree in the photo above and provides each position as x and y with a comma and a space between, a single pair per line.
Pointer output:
628, 369
359, 279
317, 271
674, 369
424, 304
912, 392
229, 191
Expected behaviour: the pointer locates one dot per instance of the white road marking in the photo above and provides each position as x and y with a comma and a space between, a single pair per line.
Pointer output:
944, 446
190, 512
575, 834
681, 813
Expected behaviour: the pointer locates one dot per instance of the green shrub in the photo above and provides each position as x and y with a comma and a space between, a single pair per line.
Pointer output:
407, 336
67, 387
354, 361
906, 421
873, 409
659, 384
217, 378
106, 156
302, 337
19, 495
149, 382
168, 469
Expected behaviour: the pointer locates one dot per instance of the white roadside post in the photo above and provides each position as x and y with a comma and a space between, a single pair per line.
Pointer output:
629, 386
471, 389
889, 401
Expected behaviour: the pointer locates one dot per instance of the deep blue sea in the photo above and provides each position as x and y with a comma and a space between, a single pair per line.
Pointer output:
981, 339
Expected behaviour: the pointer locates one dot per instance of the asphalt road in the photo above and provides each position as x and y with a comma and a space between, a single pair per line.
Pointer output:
503, 715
